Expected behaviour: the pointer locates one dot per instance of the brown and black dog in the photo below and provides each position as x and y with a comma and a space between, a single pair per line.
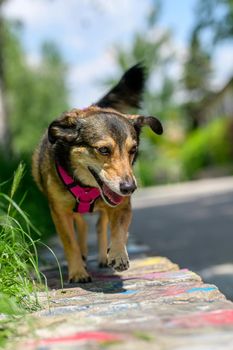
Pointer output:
85, 161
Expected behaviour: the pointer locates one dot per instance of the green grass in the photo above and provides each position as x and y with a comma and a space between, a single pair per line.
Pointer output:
18, 253
20, 279
35, 203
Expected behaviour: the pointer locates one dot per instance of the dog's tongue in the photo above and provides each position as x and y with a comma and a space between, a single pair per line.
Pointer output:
114, 197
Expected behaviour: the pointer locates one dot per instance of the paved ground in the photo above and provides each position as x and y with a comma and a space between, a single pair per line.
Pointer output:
191, 224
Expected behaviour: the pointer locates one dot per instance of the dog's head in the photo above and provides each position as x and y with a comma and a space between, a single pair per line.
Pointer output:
99, 145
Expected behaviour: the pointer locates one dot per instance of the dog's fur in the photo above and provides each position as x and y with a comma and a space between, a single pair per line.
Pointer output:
97, 146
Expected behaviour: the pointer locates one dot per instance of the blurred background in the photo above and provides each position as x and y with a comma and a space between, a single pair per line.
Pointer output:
56, 55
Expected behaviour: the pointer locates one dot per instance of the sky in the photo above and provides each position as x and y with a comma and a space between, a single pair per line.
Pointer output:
87, 32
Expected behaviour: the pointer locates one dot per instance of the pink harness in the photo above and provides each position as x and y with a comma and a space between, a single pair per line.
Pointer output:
85, 196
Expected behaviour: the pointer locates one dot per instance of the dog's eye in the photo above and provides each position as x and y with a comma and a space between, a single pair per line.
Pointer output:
105, 151
133, 150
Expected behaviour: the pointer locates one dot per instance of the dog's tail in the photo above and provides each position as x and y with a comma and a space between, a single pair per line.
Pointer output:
128, 92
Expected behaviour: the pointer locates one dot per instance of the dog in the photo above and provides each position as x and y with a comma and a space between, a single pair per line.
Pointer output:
84, 164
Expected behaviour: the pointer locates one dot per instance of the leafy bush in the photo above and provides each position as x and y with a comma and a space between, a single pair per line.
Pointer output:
205, 148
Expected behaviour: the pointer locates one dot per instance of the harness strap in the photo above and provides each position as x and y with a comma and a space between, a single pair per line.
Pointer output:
85, 196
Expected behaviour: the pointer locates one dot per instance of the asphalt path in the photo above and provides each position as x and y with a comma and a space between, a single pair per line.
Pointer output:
191, 224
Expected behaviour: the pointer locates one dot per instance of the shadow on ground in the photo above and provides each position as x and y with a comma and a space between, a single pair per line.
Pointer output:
103, 280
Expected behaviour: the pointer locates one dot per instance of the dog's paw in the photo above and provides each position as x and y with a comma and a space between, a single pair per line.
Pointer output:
118, 260
103, 264
81, 276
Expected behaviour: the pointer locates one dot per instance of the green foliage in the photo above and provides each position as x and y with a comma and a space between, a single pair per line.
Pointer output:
20, 279
36, 92
167, 160
205, 148
18, 254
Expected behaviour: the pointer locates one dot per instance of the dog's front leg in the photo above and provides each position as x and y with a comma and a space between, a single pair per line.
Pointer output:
120, 219
65, 228
82, 229
102, 234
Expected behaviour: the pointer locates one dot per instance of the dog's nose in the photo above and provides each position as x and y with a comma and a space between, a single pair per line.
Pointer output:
127, 187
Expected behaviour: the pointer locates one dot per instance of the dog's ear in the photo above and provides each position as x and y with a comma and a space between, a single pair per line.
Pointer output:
127, 93
65, 129
140, 120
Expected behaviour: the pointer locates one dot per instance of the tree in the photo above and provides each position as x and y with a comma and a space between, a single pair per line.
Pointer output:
30, 96
216, 16
197, 73
36, 94
213, 24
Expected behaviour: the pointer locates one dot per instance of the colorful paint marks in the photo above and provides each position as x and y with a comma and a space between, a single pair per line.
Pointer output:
129, 292
86, 336
149, 261
212, 318
75, 338
153, 296
202, 289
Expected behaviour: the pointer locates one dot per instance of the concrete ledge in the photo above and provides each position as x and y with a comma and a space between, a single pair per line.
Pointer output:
153, 305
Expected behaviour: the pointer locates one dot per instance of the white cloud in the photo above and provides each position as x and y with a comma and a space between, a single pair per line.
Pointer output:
35, 11
83, 79
25, 10
73, 14
40, 12
79, 27
113, 7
